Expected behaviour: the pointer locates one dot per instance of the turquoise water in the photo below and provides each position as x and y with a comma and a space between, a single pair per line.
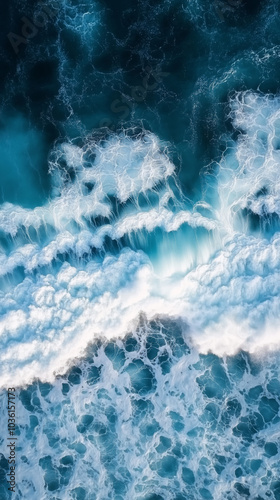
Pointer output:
140, 249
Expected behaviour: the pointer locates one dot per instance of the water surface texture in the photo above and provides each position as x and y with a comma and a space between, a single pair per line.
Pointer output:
140, 249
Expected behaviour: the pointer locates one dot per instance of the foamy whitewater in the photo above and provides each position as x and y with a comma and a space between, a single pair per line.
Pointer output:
139, 295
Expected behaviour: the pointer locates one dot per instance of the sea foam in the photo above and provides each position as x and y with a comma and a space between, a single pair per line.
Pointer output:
73, 260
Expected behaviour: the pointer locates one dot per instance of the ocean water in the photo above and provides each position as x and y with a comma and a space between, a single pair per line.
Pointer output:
140, 249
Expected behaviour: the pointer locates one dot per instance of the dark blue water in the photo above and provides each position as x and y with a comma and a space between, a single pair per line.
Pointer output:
140, 248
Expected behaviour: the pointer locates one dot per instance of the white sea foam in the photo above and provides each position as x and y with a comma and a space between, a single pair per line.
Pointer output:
248, 176
122, 168
229, 297
132, 434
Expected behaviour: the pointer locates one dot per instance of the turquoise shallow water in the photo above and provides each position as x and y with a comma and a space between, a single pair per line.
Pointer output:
140, 249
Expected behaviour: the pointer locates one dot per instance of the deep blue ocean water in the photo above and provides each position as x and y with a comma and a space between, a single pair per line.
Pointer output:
140, 249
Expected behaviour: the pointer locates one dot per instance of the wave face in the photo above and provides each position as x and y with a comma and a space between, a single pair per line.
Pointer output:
140, 249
